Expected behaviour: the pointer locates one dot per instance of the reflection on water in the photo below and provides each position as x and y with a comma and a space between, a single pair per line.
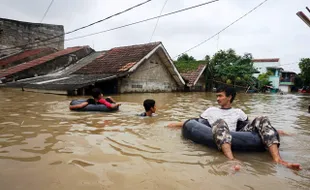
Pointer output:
43, 145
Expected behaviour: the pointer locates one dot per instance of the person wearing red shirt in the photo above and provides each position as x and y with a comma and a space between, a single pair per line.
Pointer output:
109, 102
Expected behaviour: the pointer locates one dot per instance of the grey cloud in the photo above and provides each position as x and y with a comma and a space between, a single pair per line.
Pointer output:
273, 30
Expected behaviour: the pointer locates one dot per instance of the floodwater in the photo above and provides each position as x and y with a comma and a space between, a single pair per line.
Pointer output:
44, 145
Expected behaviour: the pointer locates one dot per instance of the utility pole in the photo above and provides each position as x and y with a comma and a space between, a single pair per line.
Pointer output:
303, 17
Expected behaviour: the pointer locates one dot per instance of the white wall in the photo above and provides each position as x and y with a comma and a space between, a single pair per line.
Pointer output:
262, 66
151, 76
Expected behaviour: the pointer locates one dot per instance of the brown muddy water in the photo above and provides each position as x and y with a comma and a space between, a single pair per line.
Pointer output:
44, 145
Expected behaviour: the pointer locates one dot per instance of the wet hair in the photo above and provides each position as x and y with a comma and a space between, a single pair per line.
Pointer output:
148, 104
96, 92
229, 91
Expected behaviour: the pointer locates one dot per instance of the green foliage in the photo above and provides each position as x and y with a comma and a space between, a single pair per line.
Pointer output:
225, 66
185, 66
185, 58
229, 67
299, 83
264, 79
304, 65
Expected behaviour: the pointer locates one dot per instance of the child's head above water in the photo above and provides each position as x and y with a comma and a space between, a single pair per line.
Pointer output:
149, 105
96, 93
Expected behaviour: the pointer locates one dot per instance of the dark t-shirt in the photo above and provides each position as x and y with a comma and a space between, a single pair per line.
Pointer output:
91, 101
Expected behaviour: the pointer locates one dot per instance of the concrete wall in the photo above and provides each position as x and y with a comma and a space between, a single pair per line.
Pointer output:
275, 81
285, 88
57, 64
262, 67
16, 33
151, 76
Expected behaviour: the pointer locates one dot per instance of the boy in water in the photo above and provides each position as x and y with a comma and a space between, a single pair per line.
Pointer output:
150, 108
97, 99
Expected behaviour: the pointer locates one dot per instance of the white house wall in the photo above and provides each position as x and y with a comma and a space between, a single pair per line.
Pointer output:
151, 76
285, 88
262, 66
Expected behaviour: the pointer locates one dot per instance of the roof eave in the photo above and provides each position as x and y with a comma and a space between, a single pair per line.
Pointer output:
202, 70
179, 77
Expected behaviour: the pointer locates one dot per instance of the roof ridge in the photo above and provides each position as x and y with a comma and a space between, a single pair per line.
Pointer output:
138, 45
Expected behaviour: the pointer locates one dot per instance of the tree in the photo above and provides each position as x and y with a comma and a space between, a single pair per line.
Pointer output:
264, 79
304, 65
299, 83
207, 58
185, 58
231, 68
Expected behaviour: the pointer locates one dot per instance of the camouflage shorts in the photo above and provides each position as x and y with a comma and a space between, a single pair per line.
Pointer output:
262, 125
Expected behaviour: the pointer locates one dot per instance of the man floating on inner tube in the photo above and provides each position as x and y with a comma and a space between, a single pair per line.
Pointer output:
225, 119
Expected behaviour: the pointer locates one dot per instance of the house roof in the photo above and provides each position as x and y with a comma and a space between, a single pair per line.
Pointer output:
119, 59
288, 72
193, 76
39, 61
25, 54
266, 60
69, 82
63, 73
125, 59
275, 68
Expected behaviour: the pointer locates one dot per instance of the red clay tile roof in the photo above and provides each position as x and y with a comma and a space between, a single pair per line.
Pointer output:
119, 59
25, 54
266, 60
192, 76
39, 61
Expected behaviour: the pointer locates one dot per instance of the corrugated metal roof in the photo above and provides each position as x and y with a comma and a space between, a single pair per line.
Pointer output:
26, 54
39, 61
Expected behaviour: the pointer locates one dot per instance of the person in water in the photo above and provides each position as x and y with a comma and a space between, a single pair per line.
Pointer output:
109, 102
224, 119
149, 107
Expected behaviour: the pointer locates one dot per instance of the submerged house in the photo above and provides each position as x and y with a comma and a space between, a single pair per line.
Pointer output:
287, 81
44, 65
135, 68
24, 56
271, 65
261, 65
195, 79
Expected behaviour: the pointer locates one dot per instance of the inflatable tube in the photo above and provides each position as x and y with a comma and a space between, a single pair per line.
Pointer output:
92, 107
241, 141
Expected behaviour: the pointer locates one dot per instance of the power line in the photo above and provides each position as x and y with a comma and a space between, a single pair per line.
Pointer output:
109, 17
141, 21
119, 13
48, 8
158, 20
223, 29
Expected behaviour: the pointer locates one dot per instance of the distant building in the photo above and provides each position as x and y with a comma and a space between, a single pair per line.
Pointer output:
45, 65
18, 35
195, 79
136, 68
272, 65
261, 65
24, 56
280, 79
287, 81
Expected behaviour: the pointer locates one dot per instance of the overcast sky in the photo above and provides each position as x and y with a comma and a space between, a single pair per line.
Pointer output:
271, 31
